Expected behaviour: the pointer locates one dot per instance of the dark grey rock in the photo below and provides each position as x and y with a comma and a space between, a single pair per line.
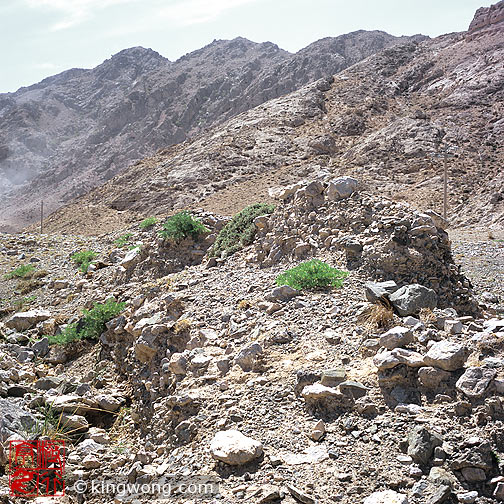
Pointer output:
421, 444
475, 381
410, 299
377, 290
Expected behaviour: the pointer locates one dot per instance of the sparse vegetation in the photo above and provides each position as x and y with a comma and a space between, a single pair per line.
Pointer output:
24, 271
26, 286
427, 316
123, 240
148, 223
24, 301
182, 225
377, 316
40, 273
244, 304
84, 258
91, 325
240, 231
314, 274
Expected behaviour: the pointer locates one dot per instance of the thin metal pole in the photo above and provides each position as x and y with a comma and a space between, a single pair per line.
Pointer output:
41, 216
445, 198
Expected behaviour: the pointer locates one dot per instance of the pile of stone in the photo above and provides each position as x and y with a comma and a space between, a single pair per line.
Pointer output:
382, 239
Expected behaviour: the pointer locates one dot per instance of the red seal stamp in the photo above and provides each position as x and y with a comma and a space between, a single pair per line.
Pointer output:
36, 468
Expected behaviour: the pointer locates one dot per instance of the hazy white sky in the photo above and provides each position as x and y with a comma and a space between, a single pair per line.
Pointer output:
39, 38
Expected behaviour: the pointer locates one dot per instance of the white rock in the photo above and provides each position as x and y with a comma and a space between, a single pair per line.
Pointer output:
131, 258
25, 320
386, 497
396, 337
91, 462
446, 355
341, 187
389, 359
453, 326
233, 448
178, 364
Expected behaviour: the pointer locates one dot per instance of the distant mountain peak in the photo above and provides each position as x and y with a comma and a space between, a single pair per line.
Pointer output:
138, 52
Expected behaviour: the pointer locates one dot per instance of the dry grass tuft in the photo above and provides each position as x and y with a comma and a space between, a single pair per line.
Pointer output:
182, 325
26, 286
377, 316
427, 316
40, 273
244, 304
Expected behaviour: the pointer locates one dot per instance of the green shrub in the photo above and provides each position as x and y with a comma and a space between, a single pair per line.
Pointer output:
148, 223
313, 274
182, 225
240, 231
122, 240
25, 271
83, 259
91, 325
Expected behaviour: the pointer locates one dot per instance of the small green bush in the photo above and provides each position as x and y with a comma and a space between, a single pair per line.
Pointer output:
91, 325
313, 274
122, 240
25, 271
148, 223
240, 231
83, 259
182, 225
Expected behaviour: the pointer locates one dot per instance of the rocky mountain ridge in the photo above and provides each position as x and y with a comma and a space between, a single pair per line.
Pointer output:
485, 19
72, 132
393, 120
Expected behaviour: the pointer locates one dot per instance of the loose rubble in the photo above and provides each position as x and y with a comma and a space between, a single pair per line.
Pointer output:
280, 395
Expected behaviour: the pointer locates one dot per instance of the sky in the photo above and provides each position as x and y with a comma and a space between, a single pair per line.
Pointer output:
39, 38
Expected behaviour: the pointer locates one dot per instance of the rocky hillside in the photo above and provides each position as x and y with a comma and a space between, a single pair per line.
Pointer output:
391, 120
74, 131
388, 389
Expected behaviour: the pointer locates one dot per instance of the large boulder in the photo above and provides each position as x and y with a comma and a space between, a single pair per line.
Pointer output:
340, 188
410, 299
446, 355
233, 448
26, 320
475, 381
378, 290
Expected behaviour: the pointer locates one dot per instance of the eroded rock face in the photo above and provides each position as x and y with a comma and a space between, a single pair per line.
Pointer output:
487, 19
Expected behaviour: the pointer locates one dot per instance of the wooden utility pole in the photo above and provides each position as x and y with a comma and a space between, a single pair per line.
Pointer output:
41, 216
445, 198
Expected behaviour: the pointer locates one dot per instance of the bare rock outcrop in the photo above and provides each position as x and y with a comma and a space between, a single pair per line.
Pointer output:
487, 19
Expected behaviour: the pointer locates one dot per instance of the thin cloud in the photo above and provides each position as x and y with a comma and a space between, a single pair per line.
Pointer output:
74, 12
46, 66
189, 12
